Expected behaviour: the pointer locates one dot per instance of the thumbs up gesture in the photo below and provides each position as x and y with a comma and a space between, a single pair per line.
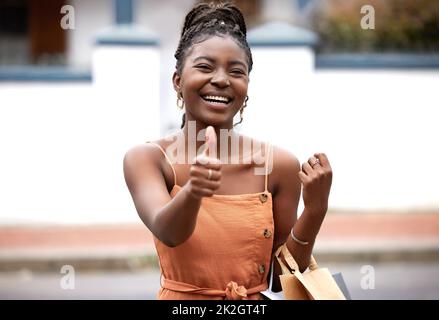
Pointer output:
205, 173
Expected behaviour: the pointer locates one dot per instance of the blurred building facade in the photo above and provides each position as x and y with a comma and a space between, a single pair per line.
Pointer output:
74, 101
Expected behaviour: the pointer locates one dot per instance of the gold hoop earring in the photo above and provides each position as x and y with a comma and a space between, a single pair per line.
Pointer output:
180, 101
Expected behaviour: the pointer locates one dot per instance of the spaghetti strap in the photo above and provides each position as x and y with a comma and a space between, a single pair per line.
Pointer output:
167, 159
267, 161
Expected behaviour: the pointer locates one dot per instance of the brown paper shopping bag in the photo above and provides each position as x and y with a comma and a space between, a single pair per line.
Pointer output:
314, 284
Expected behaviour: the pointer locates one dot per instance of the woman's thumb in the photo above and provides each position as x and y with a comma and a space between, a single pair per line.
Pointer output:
210, 150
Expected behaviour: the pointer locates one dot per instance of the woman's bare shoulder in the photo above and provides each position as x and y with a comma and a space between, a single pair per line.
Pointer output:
141, 152
142, 167
285, 159
143, 158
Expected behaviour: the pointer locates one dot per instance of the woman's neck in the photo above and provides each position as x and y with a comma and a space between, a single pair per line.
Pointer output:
228, 141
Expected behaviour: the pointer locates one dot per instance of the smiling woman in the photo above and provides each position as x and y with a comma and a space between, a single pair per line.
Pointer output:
215, 76
216, 223
205, 30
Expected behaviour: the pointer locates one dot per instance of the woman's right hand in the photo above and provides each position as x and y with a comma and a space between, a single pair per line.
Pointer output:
199, 185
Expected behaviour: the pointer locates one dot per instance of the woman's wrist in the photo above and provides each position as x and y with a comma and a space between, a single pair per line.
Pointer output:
306, 228
189, 194
297, 240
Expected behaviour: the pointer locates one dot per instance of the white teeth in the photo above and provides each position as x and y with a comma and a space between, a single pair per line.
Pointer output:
217, 98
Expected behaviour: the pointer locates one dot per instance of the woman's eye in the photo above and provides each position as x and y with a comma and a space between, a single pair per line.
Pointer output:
238, 72
203, 67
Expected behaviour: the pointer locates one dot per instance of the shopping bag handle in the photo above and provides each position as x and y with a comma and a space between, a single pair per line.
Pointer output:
291, 261
284, 268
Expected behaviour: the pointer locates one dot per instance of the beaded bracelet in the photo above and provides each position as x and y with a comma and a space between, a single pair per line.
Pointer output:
304, 243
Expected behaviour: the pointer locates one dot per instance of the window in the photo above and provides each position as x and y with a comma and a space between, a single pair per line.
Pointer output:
30, 33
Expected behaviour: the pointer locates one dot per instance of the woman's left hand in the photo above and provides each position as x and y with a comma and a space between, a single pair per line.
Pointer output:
316, 176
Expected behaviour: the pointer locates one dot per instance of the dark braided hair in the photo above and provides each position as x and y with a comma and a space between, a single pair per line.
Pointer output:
212, 19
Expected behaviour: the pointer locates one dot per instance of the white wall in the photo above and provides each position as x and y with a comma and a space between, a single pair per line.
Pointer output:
162, 17
166, 18
378, 127
51, 154
90, 17
62, 145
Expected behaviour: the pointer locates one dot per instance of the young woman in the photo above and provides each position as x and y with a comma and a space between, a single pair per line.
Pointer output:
216, 224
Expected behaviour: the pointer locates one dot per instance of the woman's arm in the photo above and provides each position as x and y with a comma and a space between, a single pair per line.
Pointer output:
171, 220
158, 211
290, 176
316, 177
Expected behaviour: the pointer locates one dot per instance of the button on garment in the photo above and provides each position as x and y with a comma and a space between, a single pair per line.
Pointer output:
225, 257
263, 197
267, 233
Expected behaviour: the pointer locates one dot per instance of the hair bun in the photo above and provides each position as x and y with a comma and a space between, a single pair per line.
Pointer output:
204, 13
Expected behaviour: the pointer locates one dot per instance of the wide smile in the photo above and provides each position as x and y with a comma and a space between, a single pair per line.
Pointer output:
217, 102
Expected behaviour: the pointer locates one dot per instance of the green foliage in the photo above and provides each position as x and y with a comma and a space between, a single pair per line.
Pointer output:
400, 25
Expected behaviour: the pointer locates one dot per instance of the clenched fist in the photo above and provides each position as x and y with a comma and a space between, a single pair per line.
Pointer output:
316, 176
205, 173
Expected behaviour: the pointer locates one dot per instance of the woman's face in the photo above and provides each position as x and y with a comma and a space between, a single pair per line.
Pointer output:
213, 81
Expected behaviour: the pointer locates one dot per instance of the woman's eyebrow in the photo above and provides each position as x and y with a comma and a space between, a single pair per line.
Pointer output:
203, 58
233, 62
238, 62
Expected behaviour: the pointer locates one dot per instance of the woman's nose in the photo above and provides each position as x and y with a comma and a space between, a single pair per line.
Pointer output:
220, 79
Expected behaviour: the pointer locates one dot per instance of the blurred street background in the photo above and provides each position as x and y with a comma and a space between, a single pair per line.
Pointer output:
394, 281
390, 257
81, 82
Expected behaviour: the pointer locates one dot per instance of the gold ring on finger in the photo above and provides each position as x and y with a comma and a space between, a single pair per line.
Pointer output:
209, 175
315, 162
